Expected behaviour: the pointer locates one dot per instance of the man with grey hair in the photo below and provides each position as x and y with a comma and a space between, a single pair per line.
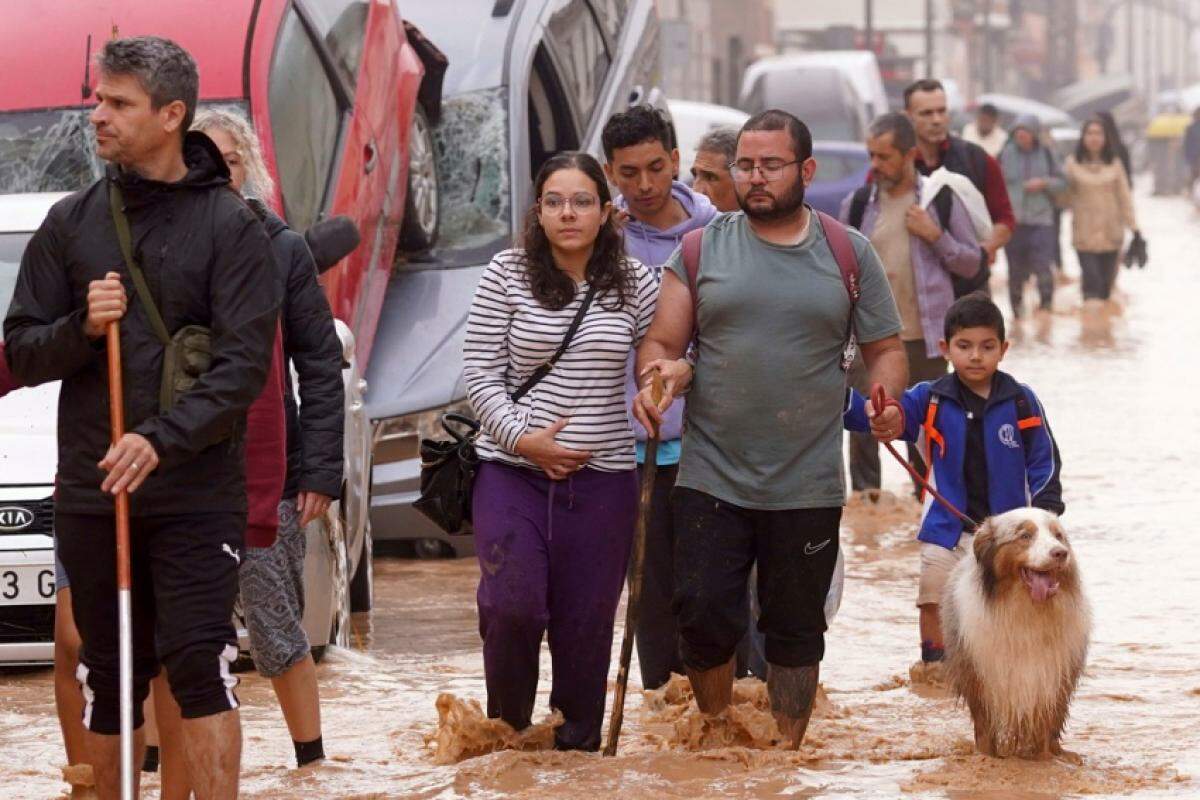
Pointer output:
710, 169
921, 241
163, 220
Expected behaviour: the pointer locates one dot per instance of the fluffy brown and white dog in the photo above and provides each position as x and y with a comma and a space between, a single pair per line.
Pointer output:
1017, 624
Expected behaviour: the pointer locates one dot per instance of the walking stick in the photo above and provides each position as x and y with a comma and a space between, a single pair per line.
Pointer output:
636, 568
116, 415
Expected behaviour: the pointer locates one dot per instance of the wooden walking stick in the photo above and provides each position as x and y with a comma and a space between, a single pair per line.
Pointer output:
636, 568
116, 416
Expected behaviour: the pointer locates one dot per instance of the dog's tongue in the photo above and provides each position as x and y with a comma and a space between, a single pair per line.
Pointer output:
1041, 584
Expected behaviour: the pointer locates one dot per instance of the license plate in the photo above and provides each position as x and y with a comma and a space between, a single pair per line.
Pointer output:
26, 586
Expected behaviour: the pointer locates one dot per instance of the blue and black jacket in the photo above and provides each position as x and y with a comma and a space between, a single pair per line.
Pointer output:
1022, 456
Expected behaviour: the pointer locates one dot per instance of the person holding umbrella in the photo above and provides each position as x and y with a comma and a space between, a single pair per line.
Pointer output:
206, 266
555, 498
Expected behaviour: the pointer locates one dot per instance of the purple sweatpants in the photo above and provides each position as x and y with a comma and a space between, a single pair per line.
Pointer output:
552, 556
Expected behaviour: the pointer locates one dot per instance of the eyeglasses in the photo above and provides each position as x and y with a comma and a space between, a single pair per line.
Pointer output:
581, 203
771, 169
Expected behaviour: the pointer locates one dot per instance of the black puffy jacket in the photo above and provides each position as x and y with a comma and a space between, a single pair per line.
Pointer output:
208, 262
310, 341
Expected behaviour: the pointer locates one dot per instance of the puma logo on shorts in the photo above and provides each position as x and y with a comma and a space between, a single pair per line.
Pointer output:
232, 553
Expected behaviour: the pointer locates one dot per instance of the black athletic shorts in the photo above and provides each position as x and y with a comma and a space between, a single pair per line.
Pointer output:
716, 544
184, 571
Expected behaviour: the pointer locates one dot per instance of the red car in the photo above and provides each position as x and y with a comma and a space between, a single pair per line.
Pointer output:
339, 92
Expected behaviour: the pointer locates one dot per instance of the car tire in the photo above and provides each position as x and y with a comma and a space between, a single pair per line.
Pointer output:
422, 203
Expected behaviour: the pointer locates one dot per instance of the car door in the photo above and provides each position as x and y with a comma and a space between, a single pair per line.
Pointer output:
326, 150
364, 39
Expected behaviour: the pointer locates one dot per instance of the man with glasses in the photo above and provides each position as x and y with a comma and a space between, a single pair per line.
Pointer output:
760, 478
641, 163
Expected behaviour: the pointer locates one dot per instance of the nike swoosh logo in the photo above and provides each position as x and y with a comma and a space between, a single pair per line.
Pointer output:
810, 550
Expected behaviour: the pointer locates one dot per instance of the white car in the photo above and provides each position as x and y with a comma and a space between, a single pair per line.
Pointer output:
692, 121
339, 546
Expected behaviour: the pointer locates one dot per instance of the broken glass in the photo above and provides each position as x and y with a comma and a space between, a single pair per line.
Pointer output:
471, 142
50, 150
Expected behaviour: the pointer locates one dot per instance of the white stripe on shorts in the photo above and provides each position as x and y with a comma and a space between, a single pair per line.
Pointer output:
227, 657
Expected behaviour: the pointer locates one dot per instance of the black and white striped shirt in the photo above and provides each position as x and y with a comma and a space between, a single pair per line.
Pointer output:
509, 334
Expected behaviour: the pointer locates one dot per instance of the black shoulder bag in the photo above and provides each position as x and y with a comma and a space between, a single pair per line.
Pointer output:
448, 466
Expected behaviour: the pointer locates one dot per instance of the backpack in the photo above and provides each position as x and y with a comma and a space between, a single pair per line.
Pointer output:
843, 252
943, 202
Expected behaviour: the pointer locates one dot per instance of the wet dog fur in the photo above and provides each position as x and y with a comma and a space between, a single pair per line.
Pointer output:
1017, 625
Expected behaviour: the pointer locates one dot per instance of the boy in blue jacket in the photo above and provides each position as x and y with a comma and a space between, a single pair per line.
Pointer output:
986, 439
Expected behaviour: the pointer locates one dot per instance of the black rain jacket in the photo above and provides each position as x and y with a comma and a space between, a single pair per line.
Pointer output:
310, 342
208, 261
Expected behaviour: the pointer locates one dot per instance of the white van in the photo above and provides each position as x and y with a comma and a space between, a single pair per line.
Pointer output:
860, 67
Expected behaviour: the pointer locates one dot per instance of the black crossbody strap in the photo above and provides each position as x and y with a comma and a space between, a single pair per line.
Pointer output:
116, 202
544, 369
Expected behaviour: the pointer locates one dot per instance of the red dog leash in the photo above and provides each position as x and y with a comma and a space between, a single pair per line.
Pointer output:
880, 401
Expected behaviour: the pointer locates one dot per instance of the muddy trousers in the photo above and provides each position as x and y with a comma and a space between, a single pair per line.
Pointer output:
1099, 272
865, 469
552, 558
796, 553
1031, 252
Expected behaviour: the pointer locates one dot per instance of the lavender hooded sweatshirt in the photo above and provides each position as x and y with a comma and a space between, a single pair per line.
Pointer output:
653, 247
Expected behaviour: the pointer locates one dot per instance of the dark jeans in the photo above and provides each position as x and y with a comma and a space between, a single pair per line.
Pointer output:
865, 469
1099, 271
657, 633
552, 557
796, 553
1031, 252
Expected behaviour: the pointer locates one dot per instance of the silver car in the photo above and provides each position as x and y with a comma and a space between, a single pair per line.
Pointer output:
527, 79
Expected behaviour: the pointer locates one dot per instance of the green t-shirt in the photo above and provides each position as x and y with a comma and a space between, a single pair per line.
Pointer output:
764, 415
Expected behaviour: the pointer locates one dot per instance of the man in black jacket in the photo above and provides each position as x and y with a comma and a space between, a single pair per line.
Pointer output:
207, 261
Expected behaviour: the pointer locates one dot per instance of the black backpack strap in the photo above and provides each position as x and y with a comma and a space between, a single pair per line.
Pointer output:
1027, 420
858, 206
544, 369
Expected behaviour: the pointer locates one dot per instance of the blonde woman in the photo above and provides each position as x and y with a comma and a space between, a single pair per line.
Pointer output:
272, 572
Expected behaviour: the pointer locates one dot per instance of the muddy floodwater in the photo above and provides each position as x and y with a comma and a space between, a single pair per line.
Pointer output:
1123, 397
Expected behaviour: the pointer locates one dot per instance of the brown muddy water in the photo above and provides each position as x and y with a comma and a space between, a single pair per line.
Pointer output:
1121, 393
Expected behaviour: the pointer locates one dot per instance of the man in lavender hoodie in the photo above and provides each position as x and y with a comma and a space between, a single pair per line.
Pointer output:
642, 164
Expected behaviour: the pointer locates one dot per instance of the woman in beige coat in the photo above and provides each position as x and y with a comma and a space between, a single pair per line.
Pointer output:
1101, 206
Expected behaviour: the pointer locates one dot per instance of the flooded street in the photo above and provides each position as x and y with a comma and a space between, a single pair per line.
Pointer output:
1120, 397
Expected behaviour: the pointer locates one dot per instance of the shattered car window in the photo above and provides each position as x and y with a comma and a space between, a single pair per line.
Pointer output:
471, 140
47, 151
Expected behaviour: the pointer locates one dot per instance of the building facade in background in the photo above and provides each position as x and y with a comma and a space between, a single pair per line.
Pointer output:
707, 44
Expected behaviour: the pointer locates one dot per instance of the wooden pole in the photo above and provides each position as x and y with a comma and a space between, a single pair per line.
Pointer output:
636, 571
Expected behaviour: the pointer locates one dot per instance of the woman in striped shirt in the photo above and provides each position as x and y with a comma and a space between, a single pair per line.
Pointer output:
556, 495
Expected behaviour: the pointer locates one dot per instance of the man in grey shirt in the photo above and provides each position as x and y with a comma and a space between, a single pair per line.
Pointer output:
760, 478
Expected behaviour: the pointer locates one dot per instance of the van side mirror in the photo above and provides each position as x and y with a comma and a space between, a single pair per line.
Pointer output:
331, 240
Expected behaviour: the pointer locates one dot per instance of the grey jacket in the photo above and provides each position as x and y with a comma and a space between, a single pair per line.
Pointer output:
1018, 166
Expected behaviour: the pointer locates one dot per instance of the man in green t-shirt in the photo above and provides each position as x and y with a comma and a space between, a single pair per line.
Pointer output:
761, 476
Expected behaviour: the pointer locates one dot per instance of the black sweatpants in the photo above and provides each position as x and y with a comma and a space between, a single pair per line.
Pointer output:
717, 544
657, 634
184, 574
